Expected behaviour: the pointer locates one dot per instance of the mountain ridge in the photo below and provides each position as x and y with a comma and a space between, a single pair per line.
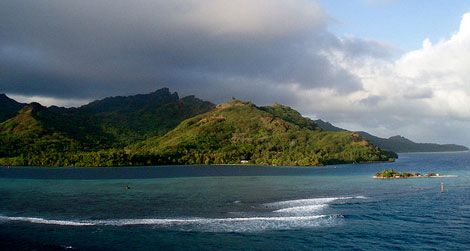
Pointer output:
8, 107
162, 128
64, 132
397, 143
240, 131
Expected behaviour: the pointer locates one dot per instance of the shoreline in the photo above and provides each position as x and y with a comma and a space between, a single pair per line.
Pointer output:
208, 165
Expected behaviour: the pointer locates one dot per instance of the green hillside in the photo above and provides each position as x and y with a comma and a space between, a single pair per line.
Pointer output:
275, 135
133, 118
161, 128
327, 126
290, 115
56, 136
25, 140
8, 107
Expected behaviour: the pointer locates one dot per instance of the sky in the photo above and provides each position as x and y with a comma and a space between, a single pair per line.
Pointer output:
384, 66
405, 24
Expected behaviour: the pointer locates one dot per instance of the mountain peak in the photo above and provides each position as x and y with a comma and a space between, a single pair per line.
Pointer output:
280, 105
327, 126
4, 98
132, 102
8, 107
25, 121
400, 138
165, 91
32, 107
234, 103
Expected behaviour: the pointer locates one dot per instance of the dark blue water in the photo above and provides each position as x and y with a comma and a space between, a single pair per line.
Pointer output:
238, 208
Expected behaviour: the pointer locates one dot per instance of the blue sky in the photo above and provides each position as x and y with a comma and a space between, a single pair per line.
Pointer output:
405, 24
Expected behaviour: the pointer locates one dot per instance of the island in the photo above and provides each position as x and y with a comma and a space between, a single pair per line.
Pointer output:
160, 128
392, 174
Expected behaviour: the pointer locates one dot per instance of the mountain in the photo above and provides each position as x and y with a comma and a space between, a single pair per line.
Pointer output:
402, 144
133, 118
275, 135
396, 143
40, 135
162, 128
25, 139
327, 126
8, 107
290, 115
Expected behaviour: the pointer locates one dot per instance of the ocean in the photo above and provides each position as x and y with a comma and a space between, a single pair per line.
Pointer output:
238, 207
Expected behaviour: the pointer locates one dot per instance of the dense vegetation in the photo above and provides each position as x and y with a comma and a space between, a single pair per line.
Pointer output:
290, 115
392, 174
56, 136
240, 131
397, 144
133, 118
161, 128
94, 135
25, 138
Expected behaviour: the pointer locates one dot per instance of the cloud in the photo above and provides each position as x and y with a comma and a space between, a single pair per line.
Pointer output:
48, 101
265, 51
90, 49
422, 94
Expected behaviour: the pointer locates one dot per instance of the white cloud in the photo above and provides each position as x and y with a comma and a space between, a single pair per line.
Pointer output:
428, 87
49, 101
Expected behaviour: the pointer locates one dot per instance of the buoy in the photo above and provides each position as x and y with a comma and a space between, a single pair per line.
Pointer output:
442, 187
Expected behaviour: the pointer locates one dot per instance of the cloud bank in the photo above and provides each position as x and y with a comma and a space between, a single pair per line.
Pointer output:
265, 51
97, 48
423, 93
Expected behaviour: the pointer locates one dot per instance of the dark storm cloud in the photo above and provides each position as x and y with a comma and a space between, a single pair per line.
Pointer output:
216, 49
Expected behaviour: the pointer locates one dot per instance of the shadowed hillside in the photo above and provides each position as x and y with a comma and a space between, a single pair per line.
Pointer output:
8, 107
39, 135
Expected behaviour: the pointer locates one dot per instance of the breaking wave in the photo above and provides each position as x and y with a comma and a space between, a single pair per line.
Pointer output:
306, 205
302, 209
45, 221
282, 215
245, 224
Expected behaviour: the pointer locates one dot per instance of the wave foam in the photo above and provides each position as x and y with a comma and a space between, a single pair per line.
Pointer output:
289, 214
302, 209
245, 224
45, 221
445, 176
312, 201
305, 206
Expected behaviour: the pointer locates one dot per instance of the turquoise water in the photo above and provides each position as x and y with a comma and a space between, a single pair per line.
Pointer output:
238, 208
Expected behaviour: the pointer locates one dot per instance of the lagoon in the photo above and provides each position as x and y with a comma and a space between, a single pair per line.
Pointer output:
238, 207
